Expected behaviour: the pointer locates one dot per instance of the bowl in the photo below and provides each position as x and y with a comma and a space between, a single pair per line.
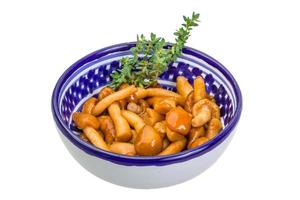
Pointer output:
86, 77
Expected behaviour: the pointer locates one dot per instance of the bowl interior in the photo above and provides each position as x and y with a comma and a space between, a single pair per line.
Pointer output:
86, 77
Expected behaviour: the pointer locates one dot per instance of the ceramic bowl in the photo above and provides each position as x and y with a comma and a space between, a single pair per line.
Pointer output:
86, 77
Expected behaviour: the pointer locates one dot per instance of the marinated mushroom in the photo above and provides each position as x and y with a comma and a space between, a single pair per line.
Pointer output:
213, 128
163, 106
151, 117
189, 102
95, 138
148, 142
202, 117
89, 105
199, 89
106, 91
161, 128
123, 148
215, 110
83, 120
133, 119
179, 120
173, 136
166, 143
184, 88
108, 100
198, 142
123, 131
134, 134
108, 128
194, 134
133, 107
174, 147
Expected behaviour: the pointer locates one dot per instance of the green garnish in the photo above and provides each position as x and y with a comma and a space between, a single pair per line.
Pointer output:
151, 57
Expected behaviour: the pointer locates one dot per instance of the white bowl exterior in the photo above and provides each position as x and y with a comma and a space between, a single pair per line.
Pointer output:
146, 176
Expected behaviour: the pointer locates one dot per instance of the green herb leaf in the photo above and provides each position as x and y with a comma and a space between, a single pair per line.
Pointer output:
151, 57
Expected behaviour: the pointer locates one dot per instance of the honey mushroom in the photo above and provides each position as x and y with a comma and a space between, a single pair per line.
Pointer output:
133, 107
123, 102
179, 120
199, 89
152, 92
151, 117
133, 119
123, 148
215, 110
213, 128
161, 128
105, 92
123, 131
95, 138
189, 102
165, 105
166, 143
83, 120
108, 100
174, 147
198, 142
89, 105
183, 87
143, 104
108, 128
173, 136
148, 142
134, 133
201, 117
194, 134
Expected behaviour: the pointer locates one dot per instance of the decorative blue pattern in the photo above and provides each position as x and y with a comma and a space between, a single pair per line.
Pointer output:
89, 74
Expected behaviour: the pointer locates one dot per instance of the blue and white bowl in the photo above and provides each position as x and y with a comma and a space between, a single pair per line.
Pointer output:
86, 77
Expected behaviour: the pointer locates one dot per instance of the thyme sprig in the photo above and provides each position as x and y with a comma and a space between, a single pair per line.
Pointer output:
151, 57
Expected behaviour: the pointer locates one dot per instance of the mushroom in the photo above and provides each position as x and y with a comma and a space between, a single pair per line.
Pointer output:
189, 102
151, 117
213, 128
160, 127
133, 119
194, 134
173, 136
95, 138
133, 107
134, 134
174, 147
199, 89
215, 110
198, 142
148, 142
201, 116
123, 131
105, 92
184, 88
123, 148
164, 106
166, 143
89, 105
83, 120
108, 128
179, 120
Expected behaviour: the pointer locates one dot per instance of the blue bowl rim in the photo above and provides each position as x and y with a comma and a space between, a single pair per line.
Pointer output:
143, 160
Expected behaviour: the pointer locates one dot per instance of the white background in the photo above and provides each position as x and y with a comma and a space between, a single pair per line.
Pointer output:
258, 41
